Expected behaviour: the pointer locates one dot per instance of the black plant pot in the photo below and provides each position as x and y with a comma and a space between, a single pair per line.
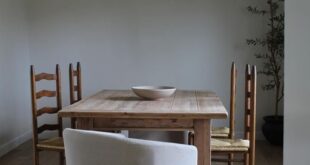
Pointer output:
273, 129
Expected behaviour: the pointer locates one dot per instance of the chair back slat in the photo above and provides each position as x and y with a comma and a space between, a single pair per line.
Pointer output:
48, 110
45, 110
59, 98
79, 81
46, 93
45, 76
250, 102
253, 114
75, 83
48, 127
71, 83
76, 88
250, 112
75, 73
247, 101
233, 77
34, 105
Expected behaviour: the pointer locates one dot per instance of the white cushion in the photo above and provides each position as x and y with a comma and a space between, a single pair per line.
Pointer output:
101, 148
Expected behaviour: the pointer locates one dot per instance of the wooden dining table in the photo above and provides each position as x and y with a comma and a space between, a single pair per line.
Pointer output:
123, 110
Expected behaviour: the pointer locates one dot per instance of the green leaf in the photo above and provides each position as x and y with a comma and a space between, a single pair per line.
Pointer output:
256, 10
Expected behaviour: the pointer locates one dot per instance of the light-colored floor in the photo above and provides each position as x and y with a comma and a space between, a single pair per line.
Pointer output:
265, 155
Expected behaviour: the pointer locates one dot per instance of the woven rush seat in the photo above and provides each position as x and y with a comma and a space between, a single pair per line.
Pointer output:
229, 144
52, 144
220, 132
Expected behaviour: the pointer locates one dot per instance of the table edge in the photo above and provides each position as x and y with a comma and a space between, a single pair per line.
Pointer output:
142, 115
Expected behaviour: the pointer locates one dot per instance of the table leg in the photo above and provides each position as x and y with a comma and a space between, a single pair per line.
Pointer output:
202, 141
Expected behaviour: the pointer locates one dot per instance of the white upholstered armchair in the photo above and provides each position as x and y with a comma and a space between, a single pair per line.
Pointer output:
101, 148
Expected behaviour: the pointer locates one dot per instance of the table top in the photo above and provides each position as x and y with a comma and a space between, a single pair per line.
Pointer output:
125, 104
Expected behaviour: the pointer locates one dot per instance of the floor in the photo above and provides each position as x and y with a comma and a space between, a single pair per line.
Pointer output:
265, 155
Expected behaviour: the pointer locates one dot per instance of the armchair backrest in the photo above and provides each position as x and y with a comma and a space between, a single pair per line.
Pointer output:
97, 148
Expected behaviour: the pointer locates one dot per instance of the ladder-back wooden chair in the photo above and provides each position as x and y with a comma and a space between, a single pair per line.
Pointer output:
53, 144
225, 132
229, 132
245, 146
75, 81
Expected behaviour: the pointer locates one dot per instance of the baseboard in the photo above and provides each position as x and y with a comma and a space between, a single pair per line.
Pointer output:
12, 144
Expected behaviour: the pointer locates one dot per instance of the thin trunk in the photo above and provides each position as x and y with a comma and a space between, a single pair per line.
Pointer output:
273, 60
277, 101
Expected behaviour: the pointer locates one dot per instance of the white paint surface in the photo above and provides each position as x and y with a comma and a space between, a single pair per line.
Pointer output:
121, 43
297, 80
15, 121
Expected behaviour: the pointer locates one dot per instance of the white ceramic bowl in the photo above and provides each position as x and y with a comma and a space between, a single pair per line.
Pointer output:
153, 92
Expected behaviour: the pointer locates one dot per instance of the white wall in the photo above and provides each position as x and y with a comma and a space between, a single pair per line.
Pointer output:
297, 80
15, 121
121, 43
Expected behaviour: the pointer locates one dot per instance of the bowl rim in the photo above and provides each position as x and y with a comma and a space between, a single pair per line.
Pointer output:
153, 88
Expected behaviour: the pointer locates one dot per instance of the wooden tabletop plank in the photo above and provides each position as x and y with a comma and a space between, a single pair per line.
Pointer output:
125, 104
185, 101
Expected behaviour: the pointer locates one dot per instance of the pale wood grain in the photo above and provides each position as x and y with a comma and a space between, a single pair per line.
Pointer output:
202, 141
125, 104
122, 109
84, 123
142, 124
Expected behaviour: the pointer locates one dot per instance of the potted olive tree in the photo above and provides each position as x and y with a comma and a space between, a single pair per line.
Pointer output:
273, 61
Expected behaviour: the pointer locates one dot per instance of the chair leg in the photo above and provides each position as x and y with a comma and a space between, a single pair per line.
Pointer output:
61, 158
251, 159
230, 158
35, 157
73, 123
190, 138
246, 159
